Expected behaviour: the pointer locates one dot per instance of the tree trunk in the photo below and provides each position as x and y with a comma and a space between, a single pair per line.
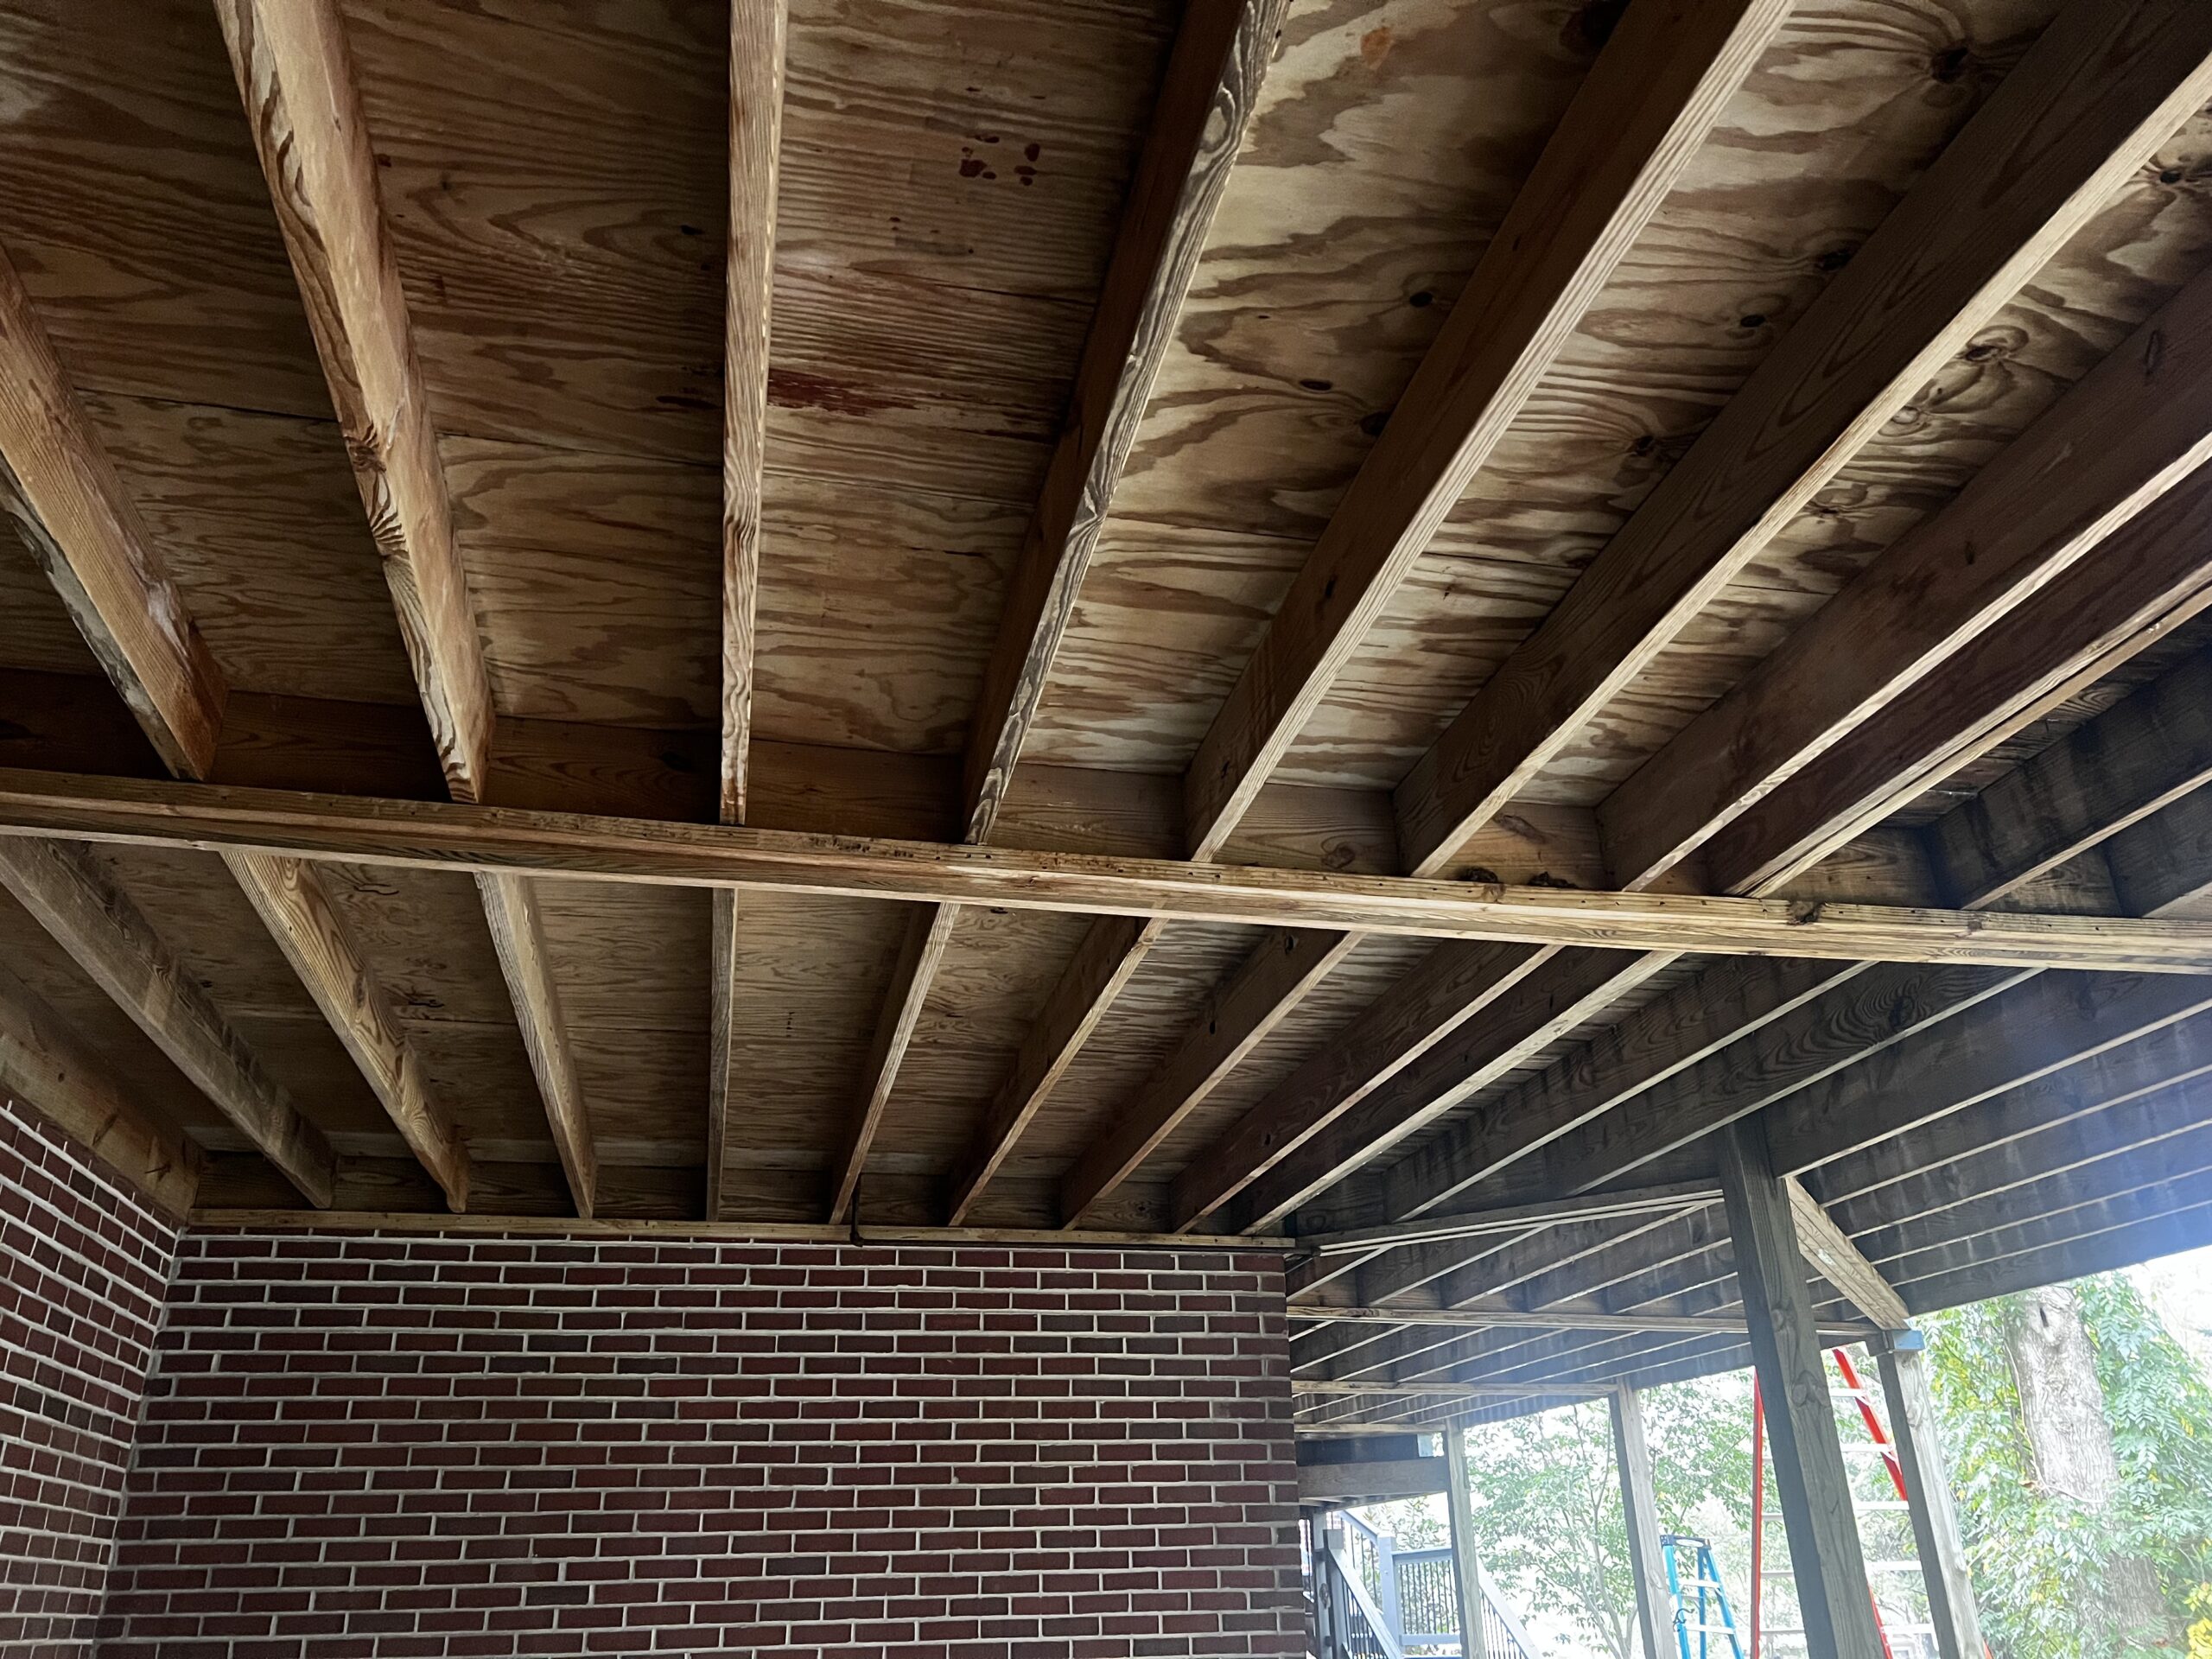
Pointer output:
2063, 1409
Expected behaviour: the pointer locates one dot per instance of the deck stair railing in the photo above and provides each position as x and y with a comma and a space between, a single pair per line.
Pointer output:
1376, 1601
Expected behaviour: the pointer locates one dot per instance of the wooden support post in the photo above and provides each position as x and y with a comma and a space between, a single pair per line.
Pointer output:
1810, 1475
1467, 1560
1655, 1602
1927, 1495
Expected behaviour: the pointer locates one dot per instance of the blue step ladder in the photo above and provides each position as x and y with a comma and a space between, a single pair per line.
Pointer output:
1712, 1598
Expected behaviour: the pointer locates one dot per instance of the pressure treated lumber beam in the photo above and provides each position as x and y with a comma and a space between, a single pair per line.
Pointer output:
2099, 89
1207, 95
50, 1068
1485, 1318
1104, 961
1515, 1218
1648, 103
70, 510
69, 894
1809, 1476
1988, 1111
756, 36
296, 75
316, 939
430, 835
1829, 1252
2049, 1144
1976, 681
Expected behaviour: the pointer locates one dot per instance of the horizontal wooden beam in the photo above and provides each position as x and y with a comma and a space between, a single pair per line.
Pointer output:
1516, 1219
767, 1232
1552, 1318
1828, 1251
438, 836
1322, 1389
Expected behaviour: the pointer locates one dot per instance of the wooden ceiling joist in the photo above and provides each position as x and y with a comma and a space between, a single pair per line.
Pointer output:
72, 898
1652, 96
297, 910
1991, 1173
2104, 775
2099, 89
1959, 575
426, 835
55, 1070
1654, 93
2103, 86
296, 75
757, 49
2127, 434
1867, 1062
2050, 1054
61, 492
1211, 84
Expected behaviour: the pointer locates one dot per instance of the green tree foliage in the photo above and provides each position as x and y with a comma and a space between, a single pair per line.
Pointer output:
2030, 1549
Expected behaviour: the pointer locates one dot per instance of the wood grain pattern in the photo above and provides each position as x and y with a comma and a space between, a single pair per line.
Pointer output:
2099, 89
1212, 78
432, 834
511, 910
1809, 1477
2104, 614
96, 922
296, 75
756, 120
1830, 1253
1653, 95
1236, 1019
61, 494
929, 931
1206, 98
2109, 773
49, 1068
1109, 953
2145, 583
289, 896
2041, 506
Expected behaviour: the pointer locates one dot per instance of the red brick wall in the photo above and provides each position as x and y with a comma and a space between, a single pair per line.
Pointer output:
82, 1264
404, 1445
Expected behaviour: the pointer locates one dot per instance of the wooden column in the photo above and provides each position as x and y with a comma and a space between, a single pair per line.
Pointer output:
1927, 1495
1655, 1602
1467, 1560
1809, 1470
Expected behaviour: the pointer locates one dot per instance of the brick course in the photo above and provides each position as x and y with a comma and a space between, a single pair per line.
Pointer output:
404, 1445
82, 1266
